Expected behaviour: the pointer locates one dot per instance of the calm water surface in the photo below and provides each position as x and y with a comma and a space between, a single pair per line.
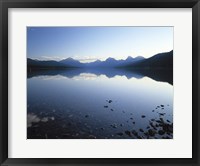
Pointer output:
113, 104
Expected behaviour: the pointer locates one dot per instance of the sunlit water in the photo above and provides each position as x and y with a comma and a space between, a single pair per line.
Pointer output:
88, 105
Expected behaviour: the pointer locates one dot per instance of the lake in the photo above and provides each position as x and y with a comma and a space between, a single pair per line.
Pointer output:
99, 103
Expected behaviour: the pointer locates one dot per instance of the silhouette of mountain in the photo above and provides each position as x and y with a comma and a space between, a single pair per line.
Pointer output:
111, 62
161, 60
130, 60
44, 64
93, 64
71, 62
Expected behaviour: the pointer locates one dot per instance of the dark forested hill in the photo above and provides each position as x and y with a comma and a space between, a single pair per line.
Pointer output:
161, 60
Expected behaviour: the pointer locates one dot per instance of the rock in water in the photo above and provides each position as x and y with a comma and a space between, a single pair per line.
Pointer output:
161, 132
151, 132
109, 101
114, 126
152, 125
143, 116
120, 134
70, 116
141, 130
92, 137
161, 114
135, 133
105, 106
128, 133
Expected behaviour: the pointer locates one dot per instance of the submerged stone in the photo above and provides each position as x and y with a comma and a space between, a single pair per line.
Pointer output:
113, 125
151, 132
128, 133
92, 137
168, 128
120, 134
141, 130
161, 114
135, 133
109, 101
152, 125
70, 116
45, 119
161, 132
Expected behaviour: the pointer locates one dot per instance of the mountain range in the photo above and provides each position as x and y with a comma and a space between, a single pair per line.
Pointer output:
161, 60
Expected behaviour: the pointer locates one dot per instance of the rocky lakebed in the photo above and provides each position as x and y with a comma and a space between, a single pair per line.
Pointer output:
57, 124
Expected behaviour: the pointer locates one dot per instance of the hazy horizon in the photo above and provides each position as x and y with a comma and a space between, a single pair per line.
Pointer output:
88, 44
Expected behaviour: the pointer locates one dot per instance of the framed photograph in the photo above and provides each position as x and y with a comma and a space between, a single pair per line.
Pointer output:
99, 82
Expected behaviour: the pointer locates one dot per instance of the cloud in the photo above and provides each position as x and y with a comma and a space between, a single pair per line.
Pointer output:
86, 59
56, 58
83, 59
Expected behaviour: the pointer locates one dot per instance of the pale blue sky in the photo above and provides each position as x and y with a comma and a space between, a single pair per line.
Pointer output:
91, 43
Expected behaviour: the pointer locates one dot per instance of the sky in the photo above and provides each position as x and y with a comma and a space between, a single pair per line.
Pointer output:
88, 44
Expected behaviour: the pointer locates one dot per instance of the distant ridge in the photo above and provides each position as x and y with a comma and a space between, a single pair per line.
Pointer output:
161, 60
71, 62
44, 64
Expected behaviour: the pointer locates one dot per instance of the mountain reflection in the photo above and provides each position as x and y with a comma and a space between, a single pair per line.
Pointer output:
161, 75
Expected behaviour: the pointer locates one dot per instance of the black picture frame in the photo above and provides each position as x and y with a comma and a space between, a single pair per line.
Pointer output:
6, 4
